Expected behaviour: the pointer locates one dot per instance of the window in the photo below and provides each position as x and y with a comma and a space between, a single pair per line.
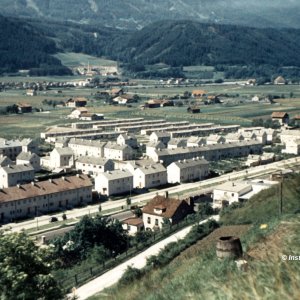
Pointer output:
156, 222
149, 220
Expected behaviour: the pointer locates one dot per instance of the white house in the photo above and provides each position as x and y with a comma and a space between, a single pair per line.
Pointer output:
160, 136
177, 143
28, 158
292, 147
12, 175
150, 176
162, 209
114, 182
118, 152
62, 157
83, 147
187, 170
230, 192
151, 147
215, 139
77, 113
133, 225
195, 141
127, 139
92, 165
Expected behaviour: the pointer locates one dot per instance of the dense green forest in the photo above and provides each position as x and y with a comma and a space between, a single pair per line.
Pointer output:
238, 51
22, 46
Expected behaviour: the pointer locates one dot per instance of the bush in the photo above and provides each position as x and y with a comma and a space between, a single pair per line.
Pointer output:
130, 275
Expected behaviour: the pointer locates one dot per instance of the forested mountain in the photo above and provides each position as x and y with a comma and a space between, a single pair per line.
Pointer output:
138, 13
22, 46
179, 43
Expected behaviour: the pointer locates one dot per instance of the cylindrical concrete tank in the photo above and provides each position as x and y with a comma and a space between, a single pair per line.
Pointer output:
229, 247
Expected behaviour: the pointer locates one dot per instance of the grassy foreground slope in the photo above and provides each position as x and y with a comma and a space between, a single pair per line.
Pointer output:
197, 274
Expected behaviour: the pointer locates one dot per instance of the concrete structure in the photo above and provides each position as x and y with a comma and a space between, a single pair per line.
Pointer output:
162, 209
114, 182
230, 192
150, 176
28, 158
12, 175
188, 170
116, 152
36, 198
92, 165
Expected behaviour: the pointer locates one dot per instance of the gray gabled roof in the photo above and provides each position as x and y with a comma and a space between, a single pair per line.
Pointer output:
17, 168
93, 160
187, 163
26, 156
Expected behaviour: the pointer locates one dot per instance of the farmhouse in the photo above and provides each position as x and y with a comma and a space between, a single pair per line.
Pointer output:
77, 113
199, 93
42, 197
163, 210
24, 108
279, 80
188, 170
76, 102
281, 117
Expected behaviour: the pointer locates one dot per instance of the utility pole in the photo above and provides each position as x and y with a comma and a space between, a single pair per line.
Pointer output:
281, 195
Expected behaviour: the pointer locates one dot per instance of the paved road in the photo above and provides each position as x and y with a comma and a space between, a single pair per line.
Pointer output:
113, 276
205, 184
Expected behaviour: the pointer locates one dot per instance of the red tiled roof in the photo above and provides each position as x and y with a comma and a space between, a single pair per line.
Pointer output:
279, 114
171, 205
133, 221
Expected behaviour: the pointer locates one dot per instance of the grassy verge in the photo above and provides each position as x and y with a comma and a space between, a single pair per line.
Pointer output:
197, 273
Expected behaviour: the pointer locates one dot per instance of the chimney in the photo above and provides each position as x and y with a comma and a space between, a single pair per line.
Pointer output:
32, 183
18, 186
63, 178
50, 180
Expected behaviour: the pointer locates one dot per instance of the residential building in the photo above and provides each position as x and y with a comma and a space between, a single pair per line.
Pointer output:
280, 116
85, 147
161, 210
234, 137
280, 80
77, 113
5, 161
28, 158
37, 198
188, 170
59, 158
215, 139
229, 192
31, 92
127, 139
292, 146
118, 152
29, 145
151, 147
177, 143
10, 148
195, 141
24, 108
12, 175
114, 182
150, 176
256, 160
92, 165
76, 102
160, 136
133, 225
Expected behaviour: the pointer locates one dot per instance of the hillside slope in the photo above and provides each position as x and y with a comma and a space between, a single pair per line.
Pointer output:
138, 13
191, 43
22, 46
